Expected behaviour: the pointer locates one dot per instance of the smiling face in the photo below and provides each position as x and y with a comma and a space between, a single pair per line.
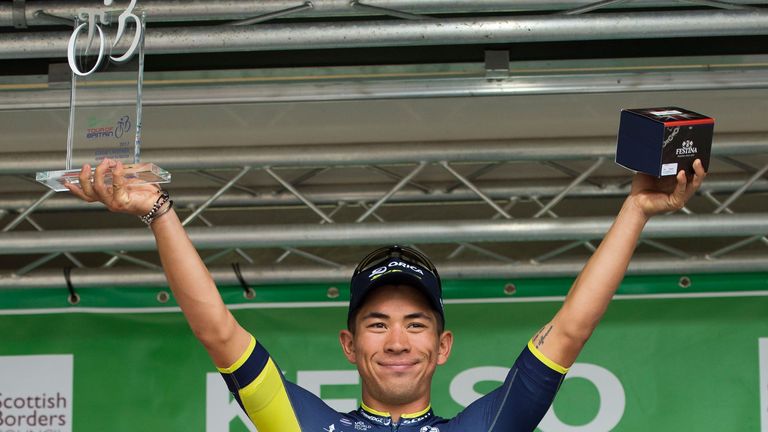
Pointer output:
396, 346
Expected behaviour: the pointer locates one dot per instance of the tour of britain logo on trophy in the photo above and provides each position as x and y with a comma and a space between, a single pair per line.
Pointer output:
105, 100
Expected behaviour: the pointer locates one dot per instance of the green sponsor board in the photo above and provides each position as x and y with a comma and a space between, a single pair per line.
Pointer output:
687, 363
664, 358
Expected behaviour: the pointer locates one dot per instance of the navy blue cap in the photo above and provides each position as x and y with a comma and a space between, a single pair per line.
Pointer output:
396, 266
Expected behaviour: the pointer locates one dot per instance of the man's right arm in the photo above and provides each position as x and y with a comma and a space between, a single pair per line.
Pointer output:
196, 293
189, 279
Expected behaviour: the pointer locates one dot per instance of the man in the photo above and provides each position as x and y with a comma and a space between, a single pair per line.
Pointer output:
395, 331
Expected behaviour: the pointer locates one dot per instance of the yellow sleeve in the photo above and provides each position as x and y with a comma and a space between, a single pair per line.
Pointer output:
258, 386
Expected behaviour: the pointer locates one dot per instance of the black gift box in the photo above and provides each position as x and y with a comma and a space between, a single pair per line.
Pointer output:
663, 141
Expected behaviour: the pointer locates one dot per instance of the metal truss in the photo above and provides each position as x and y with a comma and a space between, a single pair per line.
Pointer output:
484, 209
414, 28
306, 213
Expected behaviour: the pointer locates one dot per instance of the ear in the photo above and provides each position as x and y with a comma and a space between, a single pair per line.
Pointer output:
444, 349
347, 341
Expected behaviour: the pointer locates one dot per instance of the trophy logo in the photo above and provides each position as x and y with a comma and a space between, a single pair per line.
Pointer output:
105, 104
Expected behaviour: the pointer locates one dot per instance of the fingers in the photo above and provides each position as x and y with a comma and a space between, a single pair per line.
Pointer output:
85, 184
119, 185
678, 196
99, 187
699, 174
76, 191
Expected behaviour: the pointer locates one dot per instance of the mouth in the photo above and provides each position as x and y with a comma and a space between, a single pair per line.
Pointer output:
398, 366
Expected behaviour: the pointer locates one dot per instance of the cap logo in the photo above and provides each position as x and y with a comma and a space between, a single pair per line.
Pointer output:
381, 270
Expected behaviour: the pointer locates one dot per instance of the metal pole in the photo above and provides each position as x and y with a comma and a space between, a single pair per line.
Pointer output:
679, 226
468, 84
90, 278
377, 153
227, 10
387, 33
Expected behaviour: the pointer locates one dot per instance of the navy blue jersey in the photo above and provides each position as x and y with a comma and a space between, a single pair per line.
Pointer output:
277, 405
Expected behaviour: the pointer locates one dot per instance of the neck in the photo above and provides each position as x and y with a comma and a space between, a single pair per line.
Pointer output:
396, 411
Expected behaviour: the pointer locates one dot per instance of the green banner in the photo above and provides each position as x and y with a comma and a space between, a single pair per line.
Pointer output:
664, 362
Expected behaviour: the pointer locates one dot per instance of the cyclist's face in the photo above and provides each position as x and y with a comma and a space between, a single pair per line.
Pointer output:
396, 347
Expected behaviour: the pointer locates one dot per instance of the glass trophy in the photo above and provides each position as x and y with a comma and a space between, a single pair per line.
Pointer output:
105, 101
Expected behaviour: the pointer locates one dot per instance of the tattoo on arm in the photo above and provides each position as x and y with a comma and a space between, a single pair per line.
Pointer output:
541, 335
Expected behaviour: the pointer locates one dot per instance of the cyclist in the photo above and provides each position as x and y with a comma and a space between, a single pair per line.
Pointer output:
395, 328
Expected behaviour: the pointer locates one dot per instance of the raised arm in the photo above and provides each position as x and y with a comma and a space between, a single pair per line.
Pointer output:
189, 279
562, 339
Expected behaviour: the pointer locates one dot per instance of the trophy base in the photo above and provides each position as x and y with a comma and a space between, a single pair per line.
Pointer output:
143, 173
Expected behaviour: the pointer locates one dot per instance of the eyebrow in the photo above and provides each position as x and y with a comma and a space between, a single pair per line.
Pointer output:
381, 315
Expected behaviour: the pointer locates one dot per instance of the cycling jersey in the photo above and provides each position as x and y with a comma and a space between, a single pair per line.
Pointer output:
277, 405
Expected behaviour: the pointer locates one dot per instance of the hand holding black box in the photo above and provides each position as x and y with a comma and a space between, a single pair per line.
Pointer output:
663, 141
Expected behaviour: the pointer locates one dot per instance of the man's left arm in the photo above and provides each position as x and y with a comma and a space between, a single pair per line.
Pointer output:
562, 339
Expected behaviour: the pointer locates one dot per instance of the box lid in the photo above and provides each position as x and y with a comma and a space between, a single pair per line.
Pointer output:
672, 116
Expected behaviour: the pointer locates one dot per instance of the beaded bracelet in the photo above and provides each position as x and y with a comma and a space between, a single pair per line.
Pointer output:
152, 215
162, 211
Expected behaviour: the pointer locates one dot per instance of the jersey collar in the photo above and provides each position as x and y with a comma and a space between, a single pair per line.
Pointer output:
385, 419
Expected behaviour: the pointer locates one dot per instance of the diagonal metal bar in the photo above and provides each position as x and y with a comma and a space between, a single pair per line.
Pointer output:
740, 191
385, 11
715, 201
365, 206
592, 6
396, 176
733, 247
15, 222
37, 263
392, 191
214, 257
559, 197
718, 4
222, 180
666, 248
537, 200
272, 15
475, 174
456, 252
190, 218
555, 252
313, 257
488, 253
339, 206
587, 244
237, 250
215, 196
134, 260
738, 164
568, 171
69, 256
474, 189
298, 194
304, 177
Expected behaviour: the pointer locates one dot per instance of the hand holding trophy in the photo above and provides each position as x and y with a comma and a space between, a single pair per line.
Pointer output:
124, 195
105, 113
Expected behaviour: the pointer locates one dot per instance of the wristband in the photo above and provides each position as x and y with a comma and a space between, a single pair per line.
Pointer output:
152, 215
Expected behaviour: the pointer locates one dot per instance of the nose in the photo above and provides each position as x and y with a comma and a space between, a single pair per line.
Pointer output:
397, 341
